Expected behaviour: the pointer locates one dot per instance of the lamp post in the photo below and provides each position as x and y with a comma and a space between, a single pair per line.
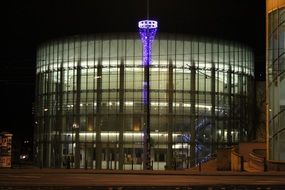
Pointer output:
147, 30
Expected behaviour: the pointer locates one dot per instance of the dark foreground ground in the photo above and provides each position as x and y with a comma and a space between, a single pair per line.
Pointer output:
109, 179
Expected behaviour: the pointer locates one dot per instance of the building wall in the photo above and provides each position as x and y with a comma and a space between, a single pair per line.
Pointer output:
275, 79
89, 100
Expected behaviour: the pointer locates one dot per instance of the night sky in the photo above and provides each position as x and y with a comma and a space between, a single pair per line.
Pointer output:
26, 24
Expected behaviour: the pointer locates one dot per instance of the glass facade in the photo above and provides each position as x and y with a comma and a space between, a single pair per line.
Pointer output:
89, 101
276, 83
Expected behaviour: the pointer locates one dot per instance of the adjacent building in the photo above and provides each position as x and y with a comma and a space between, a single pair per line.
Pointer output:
275, 81
5, 150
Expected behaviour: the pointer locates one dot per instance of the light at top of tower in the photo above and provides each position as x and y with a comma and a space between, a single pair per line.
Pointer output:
147, 30
151, 24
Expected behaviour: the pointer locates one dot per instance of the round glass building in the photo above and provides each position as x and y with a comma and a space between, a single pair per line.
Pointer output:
90, 110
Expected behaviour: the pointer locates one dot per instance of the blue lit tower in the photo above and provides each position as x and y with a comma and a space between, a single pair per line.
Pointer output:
147, 29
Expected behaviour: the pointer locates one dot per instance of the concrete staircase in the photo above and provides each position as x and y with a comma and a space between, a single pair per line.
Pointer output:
211, 165
247, 168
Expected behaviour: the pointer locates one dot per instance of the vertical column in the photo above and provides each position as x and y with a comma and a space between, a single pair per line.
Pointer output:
230, 113
169, 159
37, 126
241, 108
59, 117
99, 116
47, 107
44, 122
121, 114
77, 116
213, 113
94, 107
146, 164
193, 114
40, 121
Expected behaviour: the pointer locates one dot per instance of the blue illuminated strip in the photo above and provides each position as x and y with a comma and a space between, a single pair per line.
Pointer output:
147, 30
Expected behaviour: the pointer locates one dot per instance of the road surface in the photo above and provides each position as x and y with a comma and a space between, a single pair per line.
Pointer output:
90, 178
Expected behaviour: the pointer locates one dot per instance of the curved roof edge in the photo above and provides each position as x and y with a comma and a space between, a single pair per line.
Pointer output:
132, 35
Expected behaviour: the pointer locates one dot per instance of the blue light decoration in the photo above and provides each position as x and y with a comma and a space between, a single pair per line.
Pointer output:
147, 30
